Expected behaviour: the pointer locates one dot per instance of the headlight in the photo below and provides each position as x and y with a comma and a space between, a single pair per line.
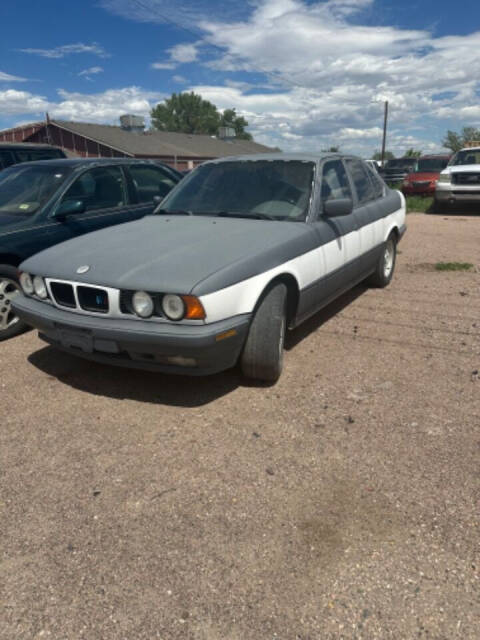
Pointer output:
446, 178
173, 306
26, 282
142, 304
39, 287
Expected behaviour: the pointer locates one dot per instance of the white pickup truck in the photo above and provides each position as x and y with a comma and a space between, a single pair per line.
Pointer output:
459, 182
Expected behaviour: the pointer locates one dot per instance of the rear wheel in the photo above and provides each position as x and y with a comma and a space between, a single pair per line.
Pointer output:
383, 273
10, 324
262, 357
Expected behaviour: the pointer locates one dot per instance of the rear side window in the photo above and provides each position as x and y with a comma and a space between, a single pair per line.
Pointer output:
334, 181
150, 182
361, 180
377, 183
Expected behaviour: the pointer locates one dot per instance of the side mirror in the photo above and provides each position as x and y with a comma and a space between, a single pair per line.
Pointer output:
340, 207
70, 207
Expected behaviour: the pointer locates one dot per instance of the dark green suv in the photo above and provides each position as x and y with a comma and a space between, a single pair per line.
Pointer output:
44, 203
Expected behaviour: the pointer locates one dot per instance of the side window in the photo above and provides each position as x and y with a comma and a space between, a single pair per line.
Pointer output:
377, 183
6, 159
150, 181
334, 181
363, 186
99, 188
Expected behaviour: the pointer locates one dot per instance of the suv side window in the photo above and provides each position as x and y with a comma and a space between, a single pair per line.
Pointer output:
6, 159
99, 188
334, 181
363, 186
150, 181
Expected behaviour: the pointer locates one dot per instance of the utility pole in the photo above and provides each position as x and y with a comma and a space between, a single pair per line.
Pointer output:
384, 141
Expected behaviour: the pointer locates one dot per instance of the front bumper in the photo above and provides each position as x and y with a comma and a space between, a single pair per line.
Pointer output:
452, 193
136, 344
423, 190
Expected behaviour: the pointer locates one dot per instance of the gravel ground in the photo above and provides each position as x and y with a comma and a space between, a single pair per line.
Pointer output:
343, 502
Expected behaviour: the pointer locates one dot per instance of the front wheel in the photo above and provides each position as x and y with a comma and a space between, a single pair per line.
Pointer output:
383, 273
262, 357
10, 324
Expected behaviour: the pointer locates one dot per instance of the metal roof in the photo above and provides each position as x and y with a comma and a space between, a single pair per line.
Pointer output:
161, 143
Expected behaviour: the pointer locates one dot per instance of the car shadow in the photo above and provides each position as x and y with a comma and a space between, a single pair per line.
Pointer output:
159, 388
133, 384
316, 321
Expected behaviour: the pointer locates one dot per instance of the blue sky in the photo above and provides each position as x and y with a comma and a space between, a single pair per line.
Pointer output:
305, 73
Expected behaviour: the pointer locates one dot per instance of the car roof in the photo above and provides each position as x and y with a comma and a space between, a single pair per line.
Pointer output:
88, 162
285, 157
27, 145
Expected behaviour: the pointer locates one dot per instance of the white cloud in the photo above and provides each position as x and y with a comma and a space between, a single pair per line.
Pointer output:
104, 107
68, 49
179, 79
179, 54
6, 77
14, 102
91, 71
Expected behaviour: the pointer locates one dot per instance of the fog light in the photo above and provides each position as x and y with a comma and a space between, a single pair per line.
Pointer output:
39, 287
181, 361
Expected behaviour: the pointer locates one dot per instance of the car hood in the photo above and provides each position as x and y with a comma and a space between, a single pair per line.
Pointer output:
461, 168
179, 254
423, 175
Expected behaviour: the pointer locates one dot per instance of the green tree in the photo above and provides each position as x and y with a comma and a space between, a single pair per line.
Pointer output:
229, 118
186, 113
378, 155
456, 141
412, 153
190, 113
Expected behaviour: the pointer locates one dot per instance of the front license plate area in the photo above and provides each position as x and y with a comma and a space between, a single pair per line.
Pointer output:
72, 338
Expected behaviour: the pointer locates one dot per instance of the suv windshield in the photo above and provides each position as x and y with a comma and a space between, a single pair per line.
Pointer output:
24, 189
467, 156
277, 189
432, 164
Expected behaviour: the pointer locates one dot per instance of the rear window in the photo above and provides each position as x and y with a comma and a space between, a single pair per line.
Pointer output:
29, 155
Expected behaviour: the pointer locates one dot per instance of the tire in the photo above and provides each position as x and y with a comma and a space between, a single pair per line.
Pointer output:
383, 273
10, 325
262, 357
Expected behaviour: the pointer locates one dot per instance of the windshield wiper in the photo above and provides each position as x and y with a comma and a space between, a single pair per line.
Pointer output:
175, 212
239, 214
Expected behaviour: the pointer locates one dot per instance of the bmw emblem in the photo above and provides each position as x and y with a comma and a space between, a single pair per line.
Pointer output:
83, 269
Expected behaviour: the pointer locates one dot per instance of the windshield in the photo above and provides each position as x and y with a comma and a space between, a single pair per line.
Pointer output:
467, 156
277, 189
401, 163
25, 189
432, 164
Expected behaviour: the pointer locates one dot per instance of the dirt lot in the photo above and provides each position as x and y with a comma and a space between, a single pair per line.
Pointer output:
344, 502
